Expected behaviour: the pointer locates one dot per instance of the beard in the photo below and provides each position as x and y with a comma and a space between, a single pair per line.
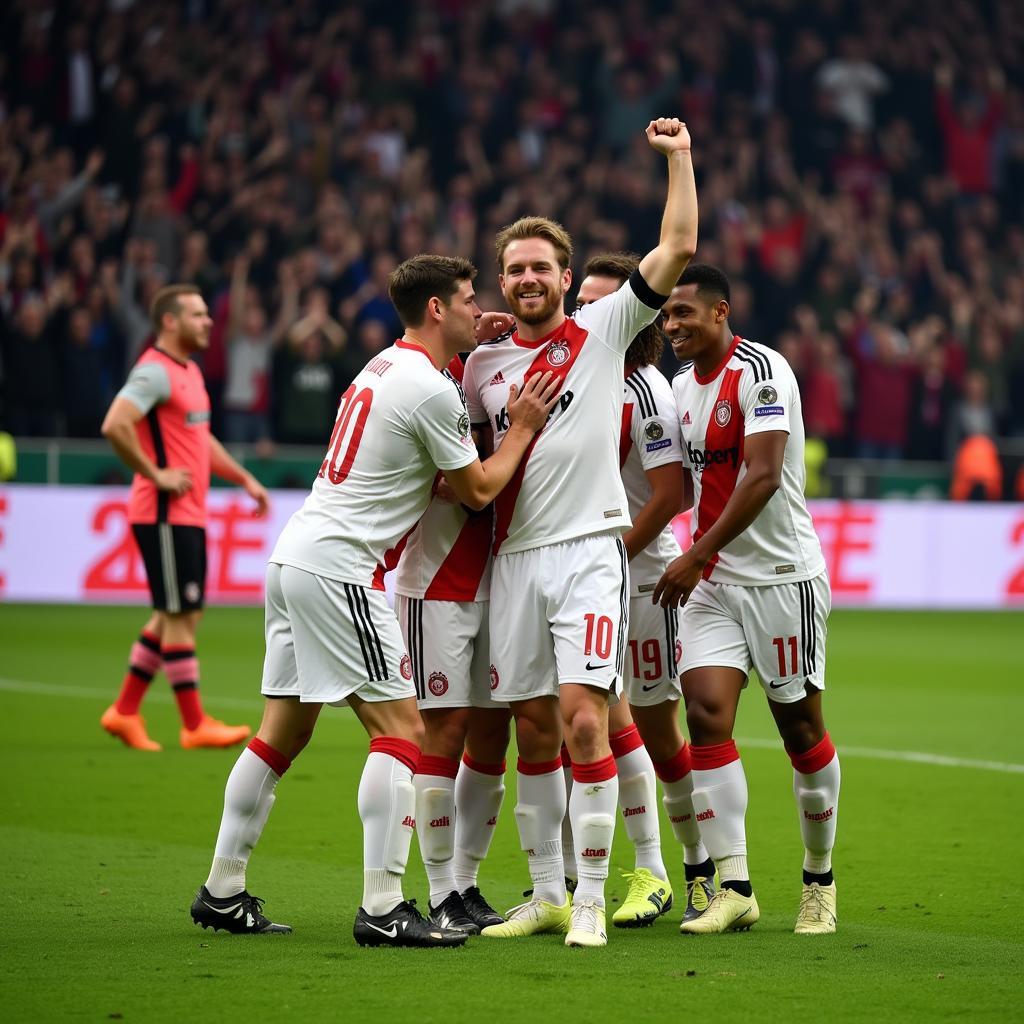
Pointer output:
551, 302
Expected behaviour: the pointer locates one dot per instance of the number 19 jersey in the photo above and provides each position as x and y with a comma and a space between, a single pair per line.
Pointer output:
399, 422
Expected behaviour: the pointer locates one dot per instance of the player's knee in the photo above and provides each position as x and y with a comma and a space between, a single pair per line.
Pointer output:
587, 734
537, 740
706, 723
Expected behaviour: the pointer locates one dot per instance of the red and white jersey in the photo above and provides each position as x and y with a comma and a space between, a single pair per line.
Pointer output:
752, 391
568, 484
399, 422
650, 438
448, 555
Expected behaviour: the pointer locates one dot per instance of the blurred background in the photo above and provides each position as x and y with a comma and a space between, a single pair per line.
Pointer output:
860, 171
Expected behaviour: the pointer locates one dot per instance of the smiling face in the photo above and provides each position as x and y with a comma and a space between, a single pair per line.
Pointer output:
533, 283
693, 323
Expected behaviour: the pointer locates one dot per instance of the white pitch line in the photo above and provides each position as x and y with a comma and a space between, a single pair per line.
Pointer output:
910, 756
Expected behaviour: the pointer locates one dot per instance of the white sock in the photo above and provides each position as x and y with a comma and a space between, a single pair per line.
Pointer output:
678, 801
435, 823
720, 806
248, 798
568, 846
540, 807
478, 799
817, 801
638, 802
387, 809
592, 806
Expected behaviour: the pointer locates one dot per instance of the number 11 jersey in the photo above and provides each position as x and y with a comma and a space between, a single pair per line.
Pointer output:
399, 422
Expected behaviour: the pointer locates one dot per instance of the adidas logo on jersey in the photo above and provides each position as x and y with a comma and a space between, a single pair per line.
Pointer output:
498, 378
686, 418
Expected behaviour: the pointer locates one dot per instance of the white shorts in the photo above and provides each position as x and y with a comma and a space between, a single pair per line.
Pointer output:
449, 643
558, 615
326, 640
650, 674
779, 630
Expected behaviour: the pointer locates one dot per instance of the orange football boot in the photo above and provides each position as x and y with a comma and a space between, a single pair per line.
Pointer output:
212, 733
129, 729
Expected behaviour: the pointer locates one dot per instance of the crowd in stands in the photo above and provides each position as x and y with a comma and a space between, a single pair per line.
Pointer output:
860, 172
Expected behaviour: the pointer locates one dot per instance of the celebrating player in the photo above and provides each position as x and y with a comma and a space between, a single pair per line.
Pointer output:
651, 462
756, 593
331, 638
559, 587
159, 425
441, 587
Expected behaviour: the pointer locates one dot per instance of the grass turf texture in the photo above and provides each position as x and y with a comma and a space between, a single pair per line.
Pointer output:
105, 848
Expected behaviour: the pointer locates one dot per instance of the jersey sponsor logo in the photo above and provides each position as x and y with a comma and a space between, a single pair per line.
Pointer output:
501, 420
769, 410
706, 815
723, 412
408, 821
558, 353
686, 418
631, 812
702, 457
678, 819
194, 418
444, 822
767, 395
437, 684
494, 678
655, 445
654, 431
378, 366
820, 816
591, 851
406, 667
464, 425
498, 378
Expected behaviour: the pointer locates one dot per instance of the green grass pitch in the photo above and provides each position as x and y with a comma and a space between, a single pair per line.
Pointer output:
104, 848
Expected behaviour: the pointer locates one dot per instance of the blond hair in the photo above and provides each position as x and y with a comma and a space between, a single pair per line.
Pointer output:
534, 227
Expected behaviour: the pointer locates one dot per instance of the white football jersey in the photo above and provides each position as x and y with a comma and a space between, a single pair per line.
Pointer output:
752, 391
399, 422
650, 438
448, 555
568, 484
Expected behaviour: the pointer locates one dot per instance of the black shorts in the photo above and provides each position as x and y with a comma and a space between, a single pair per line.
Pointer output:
175, 560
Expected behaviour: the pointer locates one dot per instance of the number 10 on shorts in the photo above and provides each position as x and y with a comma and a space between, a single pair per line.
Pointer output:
781, 642
599, 635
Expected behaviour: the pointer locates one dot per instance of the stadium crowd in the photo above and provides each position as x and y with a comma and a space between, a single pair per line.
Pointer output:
860, 171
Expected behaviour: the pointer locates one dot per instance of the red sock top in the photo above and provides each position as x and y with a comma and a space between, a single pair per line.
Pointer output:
676, 767
595, 771
566, 759
813, 760
483, 767
626, 741
443, 767
538, 767
716, 755
276, 761
401, 750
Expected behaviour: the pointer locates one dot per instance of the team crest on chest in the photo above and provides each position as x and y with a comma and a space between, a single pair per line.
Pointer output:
558, 353
723, 412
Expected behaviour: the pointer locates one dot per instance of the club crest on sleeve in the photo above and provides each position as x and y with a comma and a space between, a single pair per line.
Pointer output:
723, 412
494, 678
558, 353
654, 431
406, 667
437, 684
463, 425
767, 395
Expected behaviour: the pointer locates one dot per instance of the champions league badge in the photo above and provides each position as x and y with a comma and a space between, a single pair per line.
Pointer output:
558, 353
723, 412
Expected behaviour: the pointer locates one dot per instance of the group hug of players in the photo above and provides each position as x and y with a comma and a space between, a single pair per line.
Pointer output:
524, 497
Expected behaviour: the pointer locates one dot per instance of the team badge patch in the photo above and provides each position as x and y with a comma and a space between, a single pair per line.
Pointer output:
767, 396
406, 667
558, 353
723, 412
193, 592
679, 651
438, 684
654, 431
464, 425
494, 678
